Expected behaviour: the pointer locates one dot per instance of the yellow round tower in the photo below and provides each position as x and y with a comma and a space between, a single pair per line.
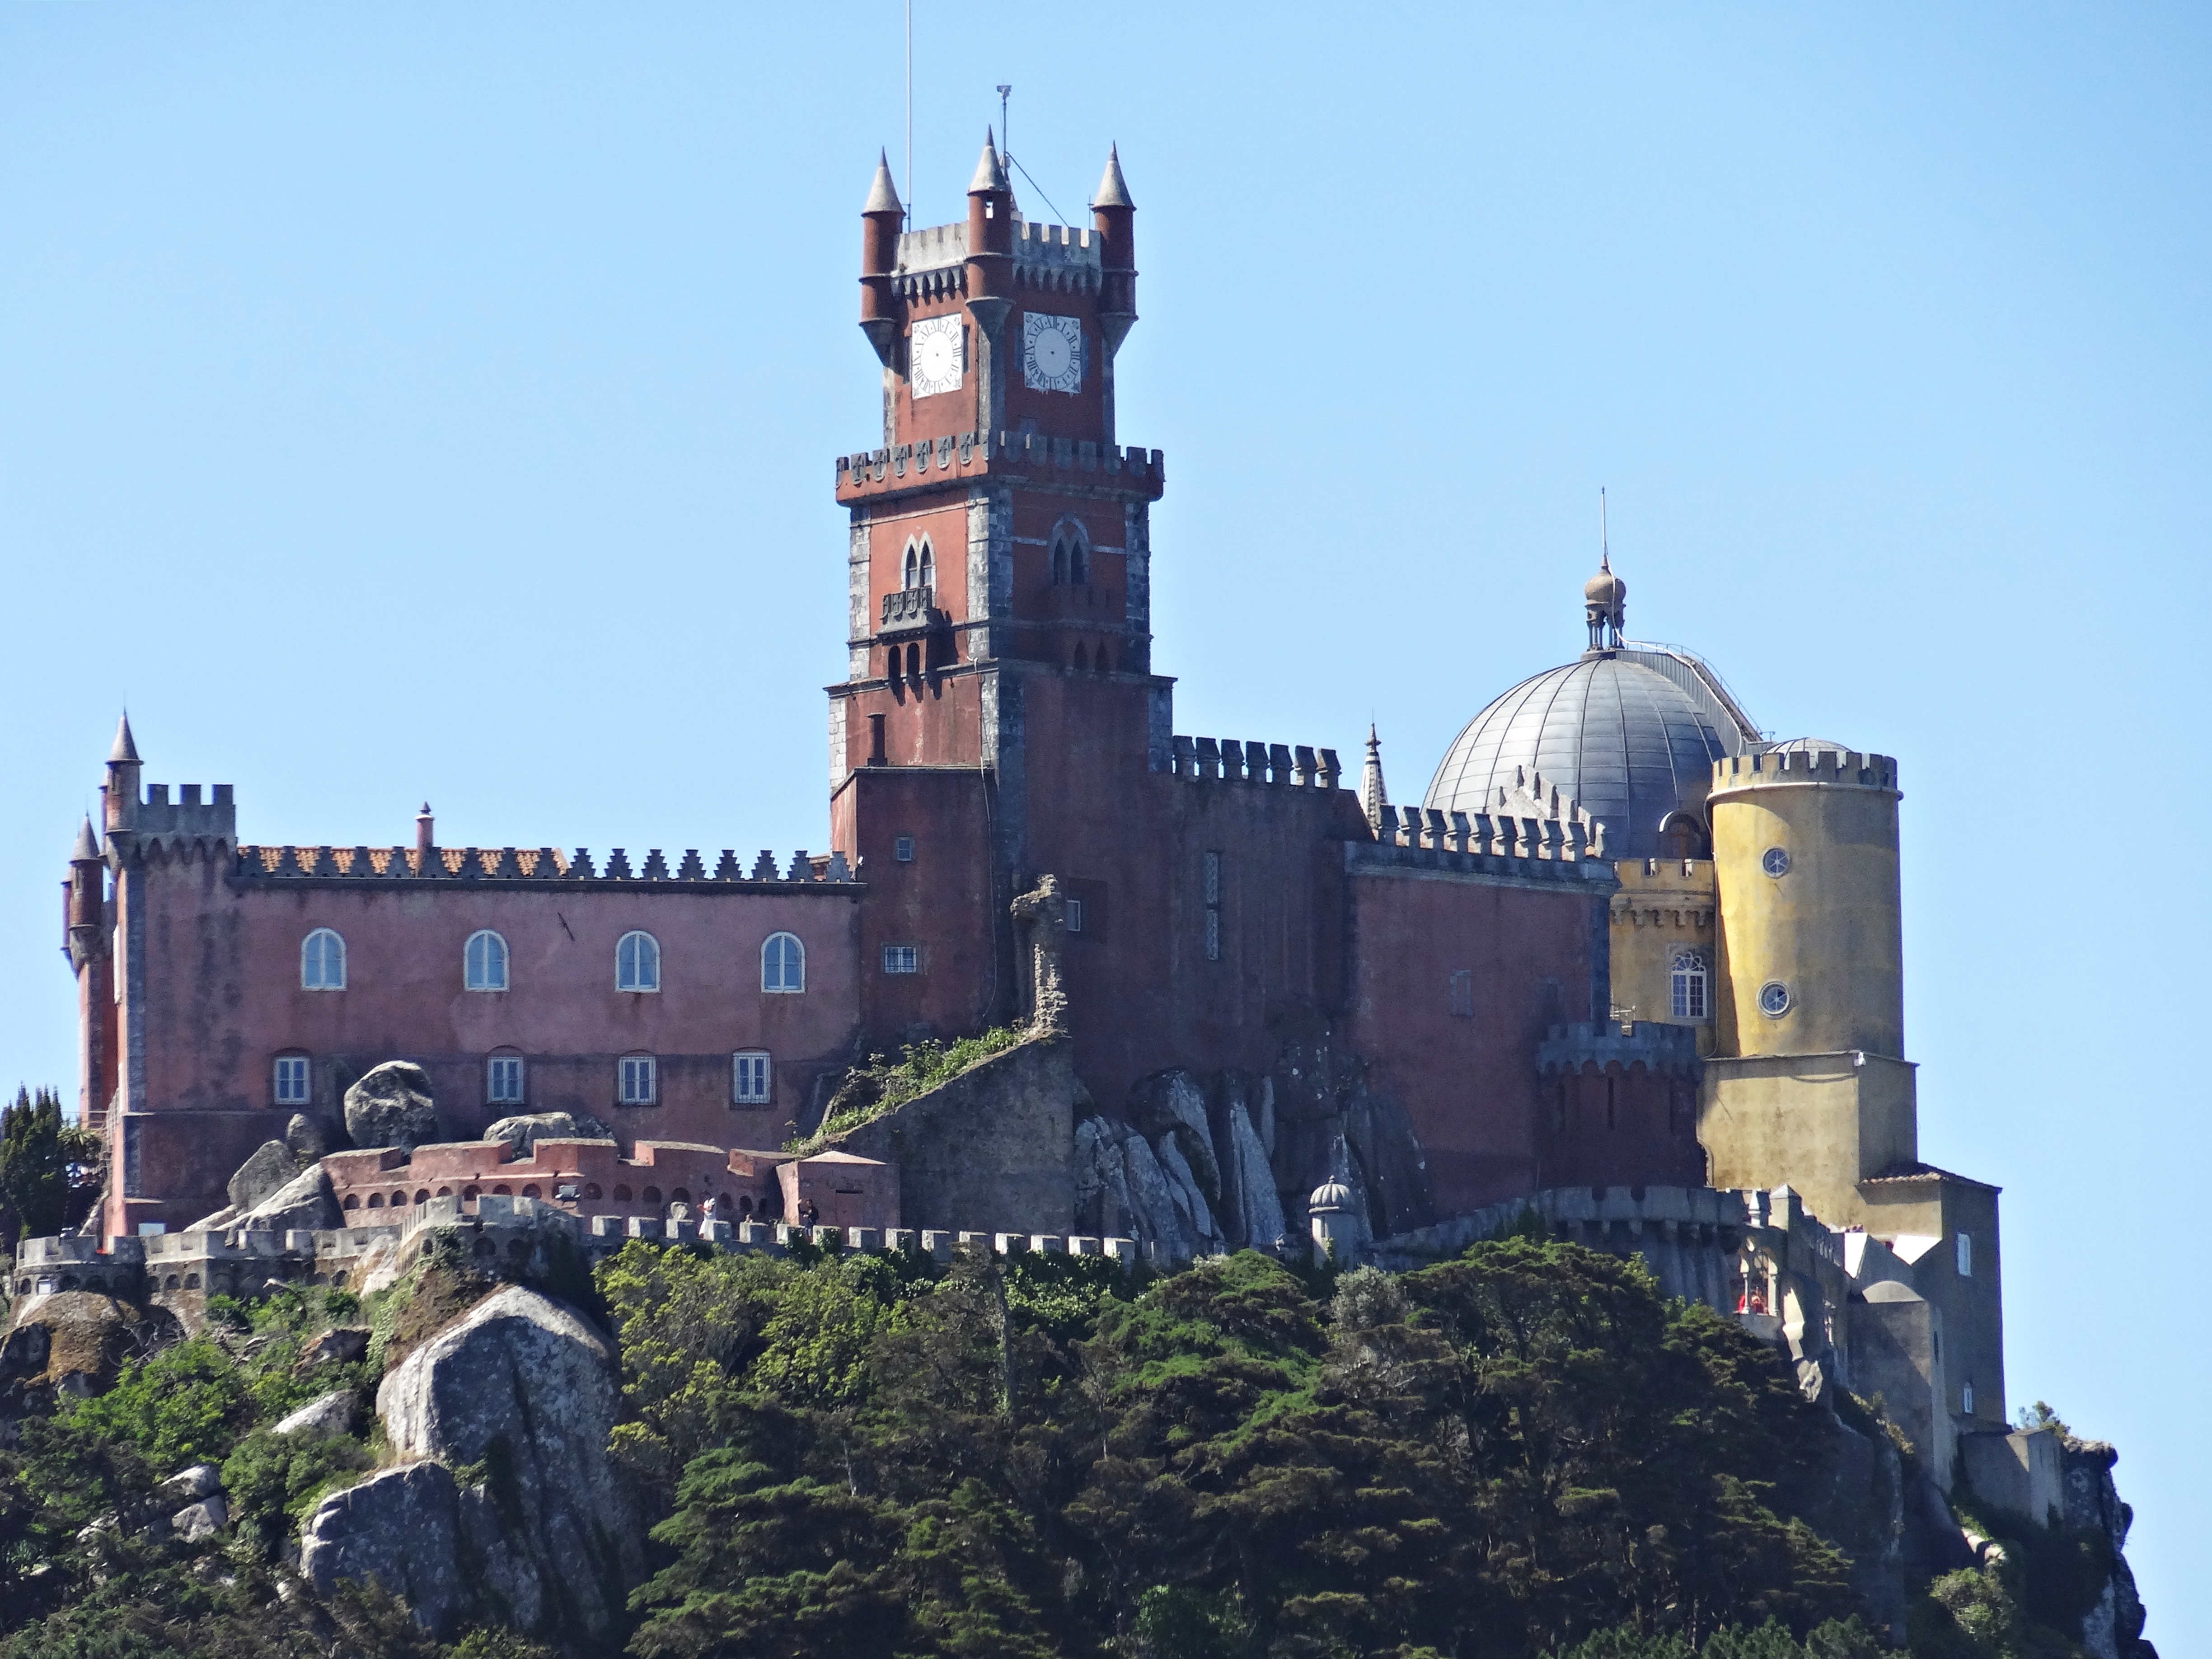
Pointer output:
1812, 947
1808, 1084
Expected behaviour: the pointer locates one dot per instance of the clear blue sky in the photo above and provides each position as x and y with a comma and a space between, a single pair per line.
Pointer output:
431, 400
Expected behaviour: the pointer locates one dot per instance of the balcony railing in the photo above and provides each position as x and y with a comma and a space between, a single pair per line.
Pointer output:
910, 607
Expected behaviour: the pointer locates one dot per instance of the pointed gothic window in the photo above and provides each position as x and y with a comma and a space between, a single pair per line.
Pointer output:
1070, 555
322, 960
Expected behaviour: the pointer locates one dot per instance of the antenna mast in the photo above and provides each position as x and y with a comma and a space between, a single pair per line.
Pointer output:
909, 115
1005, 139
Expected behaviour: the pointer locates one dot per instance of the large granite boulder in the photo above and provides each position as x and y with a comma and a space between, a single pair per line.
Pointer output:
269, 1169
526, 1388
73, 1342
306, 1137
400, 1528
524, 1131
306, 1200
390, 1106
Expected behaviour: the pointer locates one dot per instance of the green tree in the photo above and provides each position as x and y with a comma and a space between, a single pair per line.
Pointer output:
33, 1173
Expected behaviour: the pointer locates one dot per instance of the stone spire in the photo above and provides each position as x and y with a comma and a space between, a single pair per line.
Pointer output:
125, 748
1373, 797
1113, 189
87, 844
990, 177
882, 194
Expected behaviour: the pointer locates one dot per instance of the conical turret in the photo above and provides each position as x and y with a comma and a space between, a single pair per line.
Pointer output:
881, 220
990, 173
87, 850
121, 790
1112, 217
1113, 189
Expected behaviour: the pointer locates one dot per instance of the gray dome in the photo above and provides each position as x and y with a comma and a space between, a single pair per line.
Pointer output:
1629, 741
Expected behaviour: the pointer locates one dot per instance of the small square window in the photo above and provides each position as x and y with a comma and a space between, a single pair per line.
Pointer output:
641, 1079
901, 959
292, 1086
749, 1080
1075, 915
902, 849
503, 1080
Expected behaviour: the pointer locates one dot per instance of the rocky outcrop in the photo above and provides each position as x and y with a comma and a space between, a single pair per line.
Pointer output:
1228, 1159
72, 1343
328, 1413
524, 1131
2114, 1628
268, 1171
306, 1200
390, 1106
402, 1528
519, 1395
306, 1139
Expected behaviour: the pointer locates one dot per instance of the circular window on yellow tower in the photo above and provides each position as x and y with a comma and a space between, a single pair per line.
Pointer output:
1775, 860
1774, 999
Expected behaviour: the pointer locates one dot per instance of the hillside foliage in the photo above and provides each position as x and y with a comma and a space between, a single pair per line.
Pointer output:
1526, 1451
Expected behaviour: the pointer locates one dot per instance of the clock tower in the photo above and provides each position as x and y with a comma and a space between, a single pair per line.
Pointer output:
998, 698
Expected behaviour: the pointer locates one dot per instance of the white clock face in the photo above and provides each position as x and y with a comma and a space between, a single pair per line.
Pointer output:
937, 352
1051, 352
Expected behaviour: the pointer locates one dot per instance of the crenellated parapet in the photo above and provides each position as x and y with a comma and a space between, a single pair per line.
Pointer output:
1018, 456
1795, 764
535, 867
154, 826
1553, 839
1661, 1050
933, 262
1232, 759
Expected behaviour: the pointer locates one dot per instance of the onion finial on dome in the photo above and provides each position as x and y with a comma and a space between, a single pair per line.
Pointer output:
1605, 596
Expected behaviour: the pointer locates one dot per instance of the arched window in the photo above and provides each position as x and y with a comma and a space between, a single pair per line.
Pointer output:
637, 962
783, 964
322, 960
921, 565
1070, 555
484, 962
1691, 986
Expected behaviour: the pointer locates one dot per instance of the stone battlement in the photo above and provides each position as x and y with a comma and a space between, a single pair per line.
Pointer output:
192, 1266
529, 866
1790, 765
1231, 760
158, 822
1661, 1050
933, 260
1557, 839
975, 455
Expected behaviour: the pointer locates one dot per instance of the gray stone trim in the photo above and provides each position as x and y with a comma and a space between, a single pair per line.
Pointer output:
1363, 858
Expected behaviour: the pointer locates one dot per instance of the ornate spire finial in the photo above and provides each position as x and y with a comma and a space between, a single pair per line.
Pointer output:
1605, 595
1373, 796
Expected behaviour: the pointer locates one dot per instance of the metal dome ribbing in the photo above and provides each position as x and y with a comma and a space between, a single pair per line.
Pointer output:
1629, 732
